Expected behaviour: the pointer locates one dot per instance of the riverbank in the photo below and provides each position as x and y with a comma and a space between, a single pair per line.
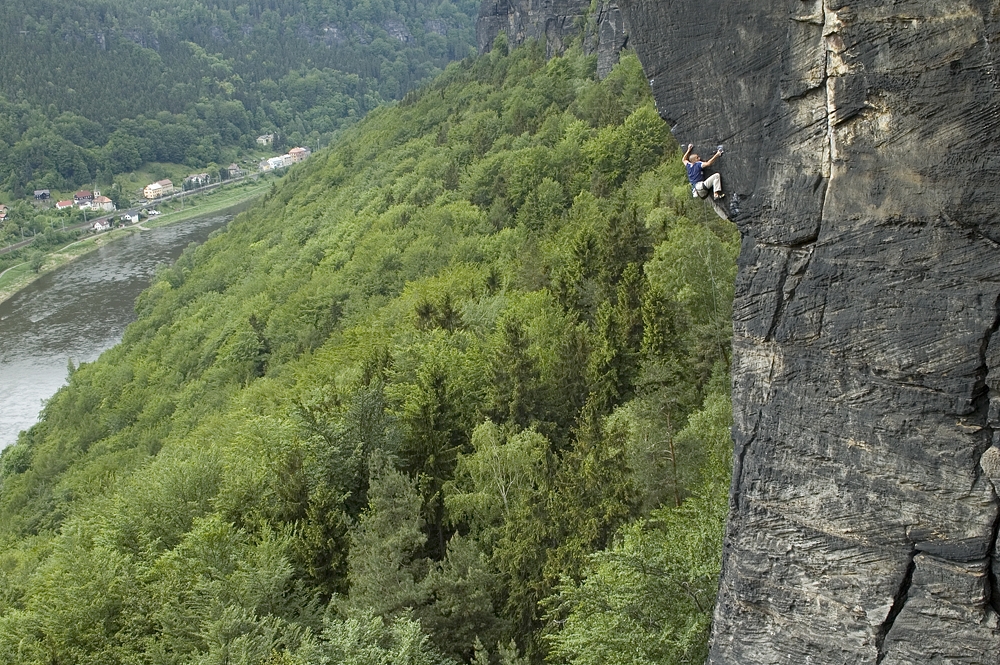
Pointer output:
21, 275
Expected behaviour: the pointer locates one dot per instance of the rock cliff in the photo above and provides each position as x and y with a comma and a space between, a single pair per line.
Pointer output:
556, 22
862, 164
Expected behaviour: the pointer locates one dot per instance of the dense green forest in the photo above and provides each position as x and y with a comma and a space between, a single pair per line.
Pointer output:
456, 390
93, 88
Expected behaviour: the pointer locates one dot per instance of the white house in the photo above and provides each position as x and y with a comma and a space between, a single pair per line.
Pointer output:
196, 180
279, 162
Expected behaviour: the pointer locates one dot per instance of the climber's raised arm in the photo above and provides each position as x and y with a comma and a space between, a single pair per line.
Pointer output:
712, 160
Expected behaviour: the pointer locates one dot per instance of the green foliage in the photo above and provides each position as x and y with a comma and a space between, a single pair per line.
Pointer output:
648, 599
92, 89
430, 400
36, 261
382, 566
498, 476
367, 640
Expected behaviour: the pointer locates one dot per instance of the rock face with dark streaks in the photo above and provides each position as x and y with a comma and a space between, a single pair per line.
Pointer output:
863, 170
556, 22
608, 36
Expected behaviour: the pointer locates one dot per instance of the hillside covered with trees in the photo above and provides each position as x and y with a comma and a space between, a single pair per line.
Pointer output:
455, 391
93, 88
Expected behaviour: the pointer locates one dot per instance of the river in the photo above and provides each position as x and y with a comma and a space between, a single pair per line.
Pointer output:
77, 312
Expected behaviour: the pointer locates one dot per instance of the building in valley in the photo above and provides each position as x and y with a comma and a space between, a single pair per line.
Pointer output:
158, 189
196, 180
103, 203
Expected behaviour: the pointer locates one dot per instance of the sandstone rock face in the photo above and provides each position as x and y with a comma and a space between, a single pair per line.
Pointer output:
862, 168
608, 37
556, 22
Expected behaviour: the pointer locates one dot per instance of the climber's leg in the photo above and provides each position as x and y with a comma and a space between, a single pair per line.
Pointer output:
715, 182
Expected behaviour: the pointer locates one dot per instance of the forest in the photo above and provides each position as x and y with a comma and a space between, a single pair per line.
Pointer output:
94, 88
455, 391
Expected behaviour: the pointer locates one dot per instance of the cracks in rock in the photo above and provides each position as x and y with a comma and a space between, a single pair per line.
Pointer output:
981, 400
898, 602
985, 344
829, 28
779, 309
973, 229
812, 20
806, 92
739, 457
804, 243
981, 393
790, 270
991, 574
985, 416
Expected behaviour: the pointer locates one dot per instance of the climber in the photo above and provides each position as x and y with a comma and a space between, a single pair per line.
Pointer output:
699, 183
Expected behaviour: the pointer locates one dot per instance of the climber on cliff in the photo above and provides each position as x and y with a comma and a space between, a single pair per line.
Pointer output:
699, 183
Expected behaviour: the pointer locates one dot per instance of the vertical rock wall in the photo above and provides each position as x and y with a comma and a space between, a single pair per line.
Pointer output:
556, 22
609, 36
862, 164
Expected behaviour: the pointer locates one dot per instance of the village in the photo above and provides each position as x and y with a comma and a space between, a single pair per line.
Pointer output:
165, 187
93, 201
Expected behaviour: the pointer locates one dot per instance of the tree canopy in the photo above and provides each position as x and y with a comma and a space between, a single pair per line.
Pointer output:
94, 88
456, 390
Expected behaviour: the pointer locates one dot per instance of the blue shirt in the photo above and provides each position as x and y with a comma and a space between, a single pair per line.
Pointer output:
694, 172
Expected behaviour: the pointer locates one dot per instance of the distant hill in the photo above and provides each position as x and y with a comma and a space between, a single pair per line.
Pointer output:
93, 88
